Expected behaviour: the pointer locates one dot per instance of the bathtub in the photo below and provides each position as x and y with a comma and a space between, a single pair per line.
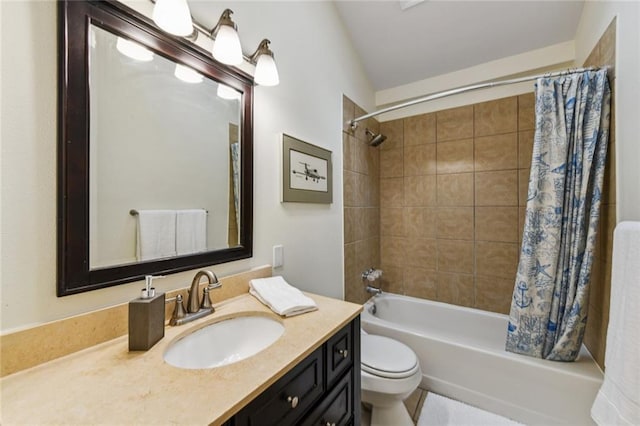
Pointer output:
462, 356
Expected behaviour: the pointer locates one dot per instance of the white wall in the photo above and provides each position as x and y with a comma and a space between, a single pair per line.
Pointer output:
317, 64
596, 17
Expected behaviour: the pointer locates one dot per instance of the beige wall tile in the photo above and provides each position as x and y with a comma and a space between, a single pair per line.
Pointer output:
348, 153
373, 187
372, 221
373, 161
455, 156
455, 189
420, 222
523, 186
354, 292
607, 226
349, 224
608, 49
421, 253
456, 289
420, 282
361, 159
455, 123
496, 259
349, 189
391, 163
455, 256
391, 192
521, 216
525, 148
420, 160
360, 130
392, 279
496, 117
348, 113
367, 253
494, 294
359, 223
362, 190
609, 183
497, 188
496, 152
497, 224
420, 129
455, 223
394, 131
593, 60
372, 124
420, 191
526, 112
392, 222
393, 250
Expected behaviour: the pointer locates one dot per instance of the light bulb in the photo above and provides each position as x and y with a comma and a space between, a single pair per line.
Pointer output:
173, 16
226, 46
266, 71
186, 74
133, 50
226, 92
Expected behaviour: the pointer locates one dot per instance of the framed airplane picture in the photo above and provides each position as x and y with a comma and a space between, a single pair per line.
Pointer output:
306, 172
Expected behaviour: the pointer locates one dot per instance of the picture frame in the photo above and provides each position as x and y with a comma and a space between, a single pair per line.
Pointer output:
306, 172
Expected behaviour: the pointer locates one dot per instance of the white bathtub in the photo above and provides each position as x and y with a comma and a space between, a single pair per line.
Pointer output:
461, 352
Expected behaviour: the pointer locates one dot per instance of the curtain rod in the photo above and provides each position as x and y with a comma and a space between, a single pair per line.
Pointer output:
354, 123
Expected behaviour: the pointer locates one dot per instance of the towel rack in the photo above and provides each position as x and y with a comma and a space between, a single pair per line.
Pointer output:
134, 212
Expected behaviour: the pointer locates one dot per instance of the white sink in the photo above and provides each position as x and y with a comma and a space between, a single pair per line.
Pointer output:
224, 342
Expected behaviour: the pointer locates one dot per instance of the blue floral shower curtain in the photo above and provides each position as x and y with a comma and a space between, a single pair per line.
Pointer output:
550, 297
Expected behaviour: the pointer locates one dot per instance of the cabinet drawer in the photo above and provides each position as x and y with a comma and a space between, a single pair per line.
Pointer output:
337, 408
289, 398
340, 353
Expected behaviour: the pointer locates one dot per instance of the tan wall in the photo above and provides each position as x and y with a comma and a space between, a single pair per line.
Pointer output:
361, 202
603, 54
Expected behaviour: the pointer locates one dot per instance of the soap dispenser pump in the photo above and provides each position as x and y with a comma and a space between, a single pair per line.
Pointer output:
146, 317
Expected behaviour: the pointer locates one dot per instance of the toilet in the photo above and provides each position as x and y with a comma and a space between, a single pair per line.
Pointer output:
390, 372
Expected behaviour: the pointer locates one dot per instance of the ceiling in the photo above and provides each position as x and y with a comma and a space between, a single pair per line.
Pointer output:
437, 37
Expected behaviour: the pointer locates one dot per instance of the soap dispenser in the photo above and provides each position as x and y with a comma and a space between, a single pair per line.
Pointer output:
146, 317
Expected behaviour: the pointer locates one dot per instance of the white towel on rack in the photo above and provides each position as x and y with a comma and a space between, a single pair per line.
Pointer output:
191, 231
618, 401
281, 297
156, 236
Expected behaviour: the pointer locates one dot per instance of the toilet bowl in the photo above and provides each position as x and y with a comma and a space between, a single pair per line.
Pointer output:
390, 372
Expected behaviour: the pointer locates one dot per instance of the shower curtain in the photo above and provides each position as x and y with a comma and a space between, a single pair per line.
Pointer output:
550, 296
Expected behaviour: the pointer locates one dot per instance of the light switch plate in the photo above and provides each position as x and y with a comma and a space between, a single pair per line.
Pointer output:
278, 256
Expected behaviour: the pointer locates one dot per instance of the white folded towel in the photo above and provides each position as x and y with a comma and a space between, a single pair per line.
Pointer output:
156, 236
618, 401
191, 231
281, 297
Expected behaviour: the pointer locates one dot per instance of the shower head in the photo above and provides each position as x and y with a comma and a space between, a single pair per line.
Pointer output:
376, 139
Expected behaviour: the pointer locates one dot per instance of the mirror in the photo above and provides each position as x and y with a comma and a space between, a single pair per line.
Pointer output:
155, 142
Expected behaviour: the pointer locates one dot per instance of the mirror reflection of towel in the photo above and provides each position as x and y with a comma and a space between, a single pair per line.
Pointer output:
191, 231
156, 234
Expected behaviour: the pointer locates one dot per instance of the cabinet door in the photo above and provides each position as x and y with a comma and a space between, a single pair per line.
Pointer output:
336, 409
340, 352
285, 402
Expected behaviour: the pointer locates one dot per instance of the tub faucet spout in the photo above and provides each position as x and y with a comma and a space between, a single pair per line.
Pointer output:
373, 290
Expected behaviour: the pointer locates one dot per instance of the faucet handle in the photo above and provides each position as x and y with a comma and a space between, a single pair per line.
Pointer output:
178, 311
206, 300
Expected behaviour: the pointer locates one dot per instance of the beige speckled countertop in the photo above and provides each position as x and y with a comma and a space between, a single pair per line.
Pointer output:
107, 384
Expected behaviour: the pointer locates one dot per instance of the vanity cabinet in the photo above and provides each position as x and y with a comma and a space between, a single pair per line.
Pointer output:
323, 389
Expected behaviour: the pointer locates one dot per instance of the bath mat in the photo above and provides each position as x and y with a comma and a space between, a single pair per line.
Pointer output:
441, 411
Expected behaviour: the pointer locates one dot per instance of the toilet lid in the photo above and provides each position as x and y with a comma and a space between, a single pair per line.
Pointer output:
386, 357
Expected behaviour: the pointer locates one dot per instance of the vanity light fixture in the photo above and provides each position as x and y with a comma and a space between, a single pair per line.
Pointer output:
187, 74
226, 42
173, 16
226, 92
266, 71
133, 50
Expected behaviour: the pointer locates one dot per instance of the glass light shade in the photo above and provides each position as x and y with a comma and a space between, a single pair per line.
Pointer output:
173, 16
226, 46
226, 92
186, 74
266, 71
133, 50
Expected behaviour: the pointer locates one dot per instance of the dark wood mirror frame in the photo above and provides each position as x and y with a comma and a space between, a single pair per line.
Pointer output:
74, 18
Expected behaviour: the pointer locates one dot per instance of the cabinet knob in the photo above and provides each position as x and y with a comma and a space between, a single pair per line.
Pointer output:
293, 400
343, 352
329, 424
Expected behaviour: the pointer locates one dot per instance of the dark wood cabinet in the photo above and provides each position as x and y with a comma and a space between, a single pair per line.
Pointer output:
323, 389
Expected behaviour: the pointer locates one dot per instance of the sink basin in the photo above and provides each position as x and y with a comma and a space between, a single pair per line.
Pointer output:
224, 342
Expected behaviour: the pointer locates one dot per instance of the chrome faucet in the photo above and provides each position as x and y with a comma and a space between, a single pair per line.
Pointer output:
373, 290
372, 275
195, 308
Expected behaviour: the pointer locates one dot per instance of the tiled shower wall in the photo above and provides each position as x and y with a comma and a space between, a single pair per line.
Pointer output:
603, 54
361, 202
452, 193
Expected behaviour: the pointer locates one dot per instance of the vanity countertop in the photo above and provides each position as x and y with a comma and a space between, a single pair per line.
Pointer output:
107, 384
